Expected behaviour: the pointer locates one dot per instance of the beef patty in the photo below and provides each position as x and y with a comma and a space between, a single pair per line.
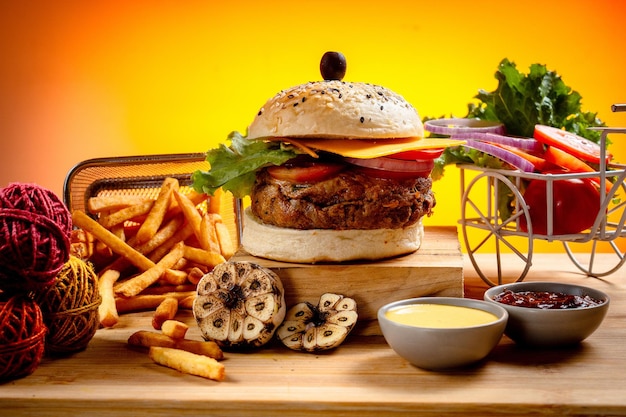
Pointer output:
350, 200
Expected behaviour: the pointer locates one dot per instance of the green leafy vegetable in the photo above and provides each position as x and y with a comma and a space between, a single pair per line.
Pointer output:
521, 101
540, 97
234, 167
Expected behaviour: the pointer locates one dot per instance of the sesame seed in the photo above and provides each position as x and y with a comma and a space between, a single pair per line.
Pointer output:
362, 119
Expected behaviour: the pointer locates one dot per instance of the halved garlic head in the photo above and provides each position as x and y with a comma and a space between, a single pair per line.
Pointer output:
239, 304
313, 328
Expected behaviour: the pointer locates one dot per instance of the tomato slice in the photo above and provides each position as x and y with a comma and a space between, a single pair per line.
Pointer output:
571, 143
305, 172
418, 154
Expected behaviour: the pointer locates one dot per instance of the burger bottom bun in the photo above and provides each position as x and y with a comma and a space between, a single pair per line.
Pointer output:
321, 245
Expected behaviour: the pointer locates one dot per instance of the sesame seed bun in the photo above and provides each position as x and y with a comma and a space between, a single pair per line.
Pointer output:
337, 109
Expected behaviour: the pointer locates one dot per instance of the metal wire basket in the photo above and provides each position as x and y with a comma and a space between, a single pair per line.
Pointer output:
139, 176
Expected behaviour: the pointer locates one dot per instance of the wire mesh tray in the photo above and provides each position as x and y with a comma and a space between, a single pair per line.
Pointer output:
139, 176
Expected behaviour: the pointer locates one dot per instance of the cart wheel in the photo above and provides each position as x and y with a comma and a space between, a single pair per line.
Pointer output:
611, 245
488, 233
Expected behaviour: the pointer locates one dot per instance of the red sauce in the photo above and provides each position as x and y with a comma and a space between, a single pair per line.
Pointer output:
545, 299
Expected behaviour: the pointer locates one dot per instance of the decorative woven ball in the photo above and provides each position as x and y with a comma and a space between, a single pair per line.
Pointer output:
70, 307
36, 199
22, 336
35, 229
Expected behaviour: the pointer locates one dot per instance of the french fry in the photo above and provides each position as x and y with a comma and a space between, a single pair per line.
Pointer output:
161, 236
191, 213
173, 276
135, 285
227, 249
146, 302
187, 362
82, 220
174, 329
204, 348
180, 236
215, 201
107, 311
208, 235
187, 302
195, 197
194, 275
145, 338
153, 221
203, 257
99, 204
125, 214
165, 311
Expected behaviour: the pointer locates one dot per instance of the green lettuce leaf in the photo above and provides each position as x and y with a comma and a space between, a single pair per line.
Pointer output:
540, 97
234, 167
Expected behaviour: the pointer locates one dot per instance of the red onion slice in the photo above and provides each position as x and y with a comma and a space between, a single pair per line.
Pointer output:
526, 144
454, 126
501, 153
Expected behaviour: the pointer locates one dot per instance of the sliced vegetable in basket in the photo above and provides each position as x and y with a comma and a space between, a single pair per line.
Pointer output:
527, 144
505, 155
581, 148
575, 206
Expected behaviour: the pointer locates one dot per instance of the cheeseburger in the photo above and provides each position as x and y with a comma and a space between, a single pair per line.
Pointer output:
335, 171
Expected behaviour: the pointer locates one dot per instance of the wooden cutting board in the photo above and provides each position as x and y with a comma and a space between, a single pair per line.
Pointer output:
436, 269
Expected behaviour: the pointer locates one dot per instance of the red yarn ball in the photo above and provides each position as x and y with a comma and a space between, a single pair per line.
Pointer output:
35, 229
36, 199
33, 249
22, 336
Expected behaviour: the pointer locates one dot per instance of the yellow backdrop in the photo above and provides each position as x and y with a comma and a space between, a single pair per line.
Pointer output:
85, 79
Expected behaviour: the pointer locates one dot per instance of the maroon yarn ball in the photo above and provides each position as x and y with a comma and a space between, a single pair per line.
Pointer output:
35, 229
36, 199
22, 336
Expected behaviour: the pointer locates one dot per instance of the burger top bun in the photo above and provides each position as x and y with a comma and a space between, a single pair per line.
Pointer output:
337, 109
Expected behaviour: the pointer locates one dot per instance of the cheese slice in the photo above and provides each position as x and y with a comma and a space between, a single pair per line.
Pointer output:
367, 149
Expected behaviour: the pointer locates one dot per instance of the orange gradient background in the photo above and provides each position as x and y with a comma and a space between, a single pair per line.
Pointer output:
86, 79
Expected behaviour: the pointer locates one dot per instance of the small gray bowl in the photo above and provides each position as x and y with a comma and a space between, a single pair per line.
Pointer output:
551, 327
441, 348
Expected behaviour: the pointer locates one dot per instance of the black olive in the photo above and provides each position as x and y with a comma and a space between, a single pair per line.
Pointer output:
333, 66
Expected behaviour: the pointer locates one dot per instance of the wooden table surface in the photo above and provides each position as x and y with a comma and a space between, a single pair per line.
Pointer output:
362, 377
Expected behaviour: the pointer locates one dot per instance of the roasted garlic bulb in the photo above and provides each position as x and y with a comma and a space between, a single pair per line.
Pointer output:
314, 328
239, 304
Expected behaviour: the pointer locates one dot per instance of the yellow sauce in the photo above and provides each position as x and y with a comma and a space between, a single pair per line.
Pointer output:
439, 316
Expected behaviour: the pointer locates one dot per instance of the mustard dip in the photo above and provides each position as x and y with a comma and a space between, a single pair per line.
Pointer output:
439, 316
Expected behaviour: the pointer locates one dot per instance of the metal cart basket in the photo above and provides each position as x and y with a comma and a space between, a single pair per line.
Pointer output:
490, 231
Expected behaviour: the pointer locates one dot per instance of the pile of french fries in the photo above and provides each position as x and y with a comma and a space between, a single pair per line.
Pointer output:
150, 253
